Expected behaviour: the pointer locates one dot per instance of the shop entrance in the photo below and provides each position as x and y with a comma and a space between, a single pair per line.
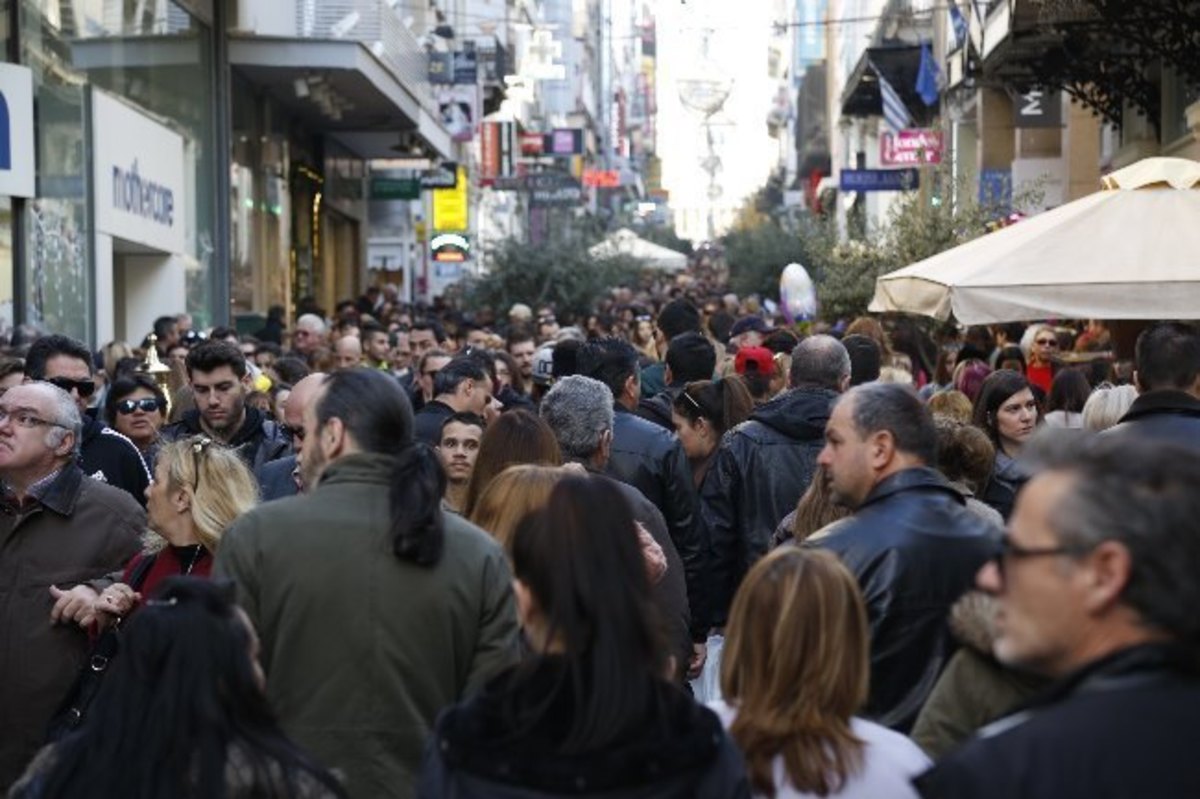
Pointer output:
146, 284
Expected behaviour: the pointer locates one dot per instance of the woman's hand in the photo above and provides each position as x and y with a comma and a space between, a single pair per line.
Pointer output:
114, 602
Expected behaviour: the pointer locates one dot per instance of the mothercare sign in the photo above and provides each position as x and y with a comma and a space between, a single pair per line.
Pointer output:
139, 176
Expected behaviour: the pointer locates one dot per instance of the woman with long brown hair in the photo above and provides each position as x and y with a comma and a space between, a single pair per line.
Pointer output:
515, 437
795, 671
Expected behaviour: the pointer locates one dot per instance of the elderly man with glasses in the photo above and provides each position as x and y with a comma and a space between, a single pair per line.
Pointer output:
105, 454
1095, 587
58, 531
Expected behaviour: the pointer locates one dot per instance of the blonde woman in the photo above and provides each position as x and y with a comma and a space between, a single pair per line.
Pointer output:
794, 673
199, 489
511, 495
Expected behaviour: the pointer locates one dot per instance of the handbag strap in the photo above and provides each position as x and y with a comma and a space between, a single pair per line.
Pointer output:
141, 571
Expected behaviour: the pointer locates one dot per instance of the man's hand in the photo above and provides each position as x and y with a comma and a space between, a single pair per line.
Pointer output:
73, 605
696, 664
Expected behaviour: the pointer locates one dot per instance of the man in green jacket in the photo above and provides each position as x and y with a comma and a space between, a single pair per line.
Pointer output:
374, 609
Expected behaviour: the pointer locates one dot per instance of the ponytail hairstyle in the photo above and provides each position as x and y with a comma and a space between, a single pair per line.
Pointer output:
724, 402
379, 417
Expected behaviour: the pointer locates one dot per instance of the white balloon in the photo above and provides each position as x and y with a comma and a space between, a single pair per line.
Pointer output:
797, 294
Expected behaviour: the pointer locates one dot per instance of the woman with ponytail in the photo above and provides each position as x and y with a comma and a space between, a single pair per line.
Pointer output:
702, 412
376, 610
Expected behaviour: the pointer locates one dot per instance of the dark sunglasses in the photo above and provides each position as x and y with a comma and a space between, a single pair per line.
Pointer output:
147, 404
85, 388
294, 433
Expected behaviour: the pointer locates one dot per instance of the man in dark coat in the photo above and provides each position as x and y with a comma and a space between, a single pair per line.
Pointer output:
1096, 585
653, 461
1167, 374
220, 381
59, 530
690, 357
764, 465
580, 412
912, 543
461, 386
281, 478
104, 454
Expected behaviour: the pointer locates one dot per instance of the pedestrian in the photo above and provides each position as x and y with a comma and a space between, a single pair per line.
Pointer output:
516, 437
511, 495
281, 477
1007, 411
220, 381
376, 609
104, 454
1040, 365
1068, 394
461, 386
690, 358
677, 317
1106, 406
1096, 586
912, 544
137, 408
590, 712
181, 713
59, 530
458, 449
763, 466
794, 675
816, 514
702, 413
1167, 375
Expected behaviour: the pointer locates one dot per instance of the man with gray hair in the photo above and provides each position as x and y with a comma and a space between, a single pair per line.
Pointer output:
764, 465
308, 336
912, 543
580, 412
59, 529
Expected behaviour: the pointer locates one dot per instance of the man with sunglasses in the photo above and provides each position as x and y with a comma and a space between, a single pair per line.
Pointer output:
59, 530
1096, 586
281, 478
104, 454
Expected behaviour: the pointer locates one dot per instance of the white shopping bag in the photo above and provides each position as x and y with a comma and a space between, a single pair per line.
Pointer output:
707, 687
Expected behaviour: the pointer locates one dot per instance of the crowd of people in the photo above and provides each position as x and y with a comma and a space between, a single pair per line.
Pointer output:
673, 548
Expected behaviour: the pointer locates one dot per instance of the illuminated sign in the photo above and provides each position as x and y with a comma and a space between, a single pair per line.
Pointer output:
450, 248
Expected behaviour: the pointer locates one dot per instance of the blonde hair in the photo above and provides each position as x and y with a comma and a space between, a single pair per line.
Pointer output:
795, 667
219, 484
1105, 407
512, 495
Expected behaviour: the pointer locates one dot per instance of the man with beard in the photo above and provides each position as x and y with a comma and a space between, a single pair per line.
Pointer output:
220, 381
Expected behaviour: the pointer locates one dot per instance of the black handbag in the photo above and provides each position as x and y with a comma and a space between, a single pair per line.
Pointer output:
71, 711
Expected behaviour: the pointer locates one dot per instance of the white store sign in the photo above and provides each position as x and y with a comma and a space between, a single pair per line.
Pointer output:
16, 131
139, 176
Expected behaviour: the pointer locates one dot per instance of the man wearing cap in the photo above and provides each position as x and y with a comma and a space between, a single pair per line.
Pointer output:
749, 331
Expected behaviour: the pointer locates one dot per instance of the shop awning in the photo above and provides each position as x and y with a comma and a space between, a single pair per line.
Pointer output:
374, 107
899, 66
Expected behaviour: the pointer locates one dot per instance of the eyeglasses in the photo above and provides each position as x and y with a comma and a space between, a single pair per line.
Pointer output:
147, 404
294, 433
27, 419
1047, 342
85, 388
1010, 550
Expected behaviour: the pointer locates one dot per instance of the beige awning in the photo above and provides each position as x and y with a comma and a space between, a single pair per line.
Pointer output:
1129, 251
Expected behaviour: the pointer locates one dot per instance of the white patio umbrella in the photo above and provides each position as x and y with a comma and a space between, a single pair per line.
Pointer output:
1129, 251
626, 242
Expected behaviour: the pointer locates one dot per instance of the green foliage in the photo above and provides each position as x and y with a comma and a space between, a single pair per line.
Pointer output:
756, 255
559, 272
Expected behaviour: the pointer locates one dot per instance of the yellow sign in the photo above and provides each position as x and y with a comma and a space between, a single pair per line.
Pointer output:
450, 205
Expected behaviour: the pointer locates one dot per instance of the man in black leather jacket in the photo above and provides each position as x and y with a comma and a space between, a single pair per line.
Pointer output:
1167, 374
651, 460
1095, 586
764, 464
912, 543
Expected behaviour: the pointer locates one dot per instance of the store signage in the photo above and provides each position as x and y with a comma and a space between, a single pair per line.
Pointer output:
1038, 108
450, 248
497, 157
457, 67
16, 131
533, 143
564, 141
911, 147
138, 173
450, 205
442, 177
602, 178
388, 188
878, 179
553, 190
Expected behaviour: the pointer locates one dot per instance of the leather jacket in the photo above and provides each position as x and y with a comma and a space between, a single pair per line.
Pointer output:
1166, 414
761, 468
915, 549
652, 460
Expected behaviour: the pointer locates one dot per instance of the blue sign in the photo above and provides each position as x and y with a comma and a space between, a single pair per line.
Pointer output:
142, 197
879, 179
5, 135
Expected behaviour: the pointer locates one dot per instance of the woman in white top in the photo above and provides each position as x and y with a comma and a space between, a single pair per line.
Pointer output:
794, 672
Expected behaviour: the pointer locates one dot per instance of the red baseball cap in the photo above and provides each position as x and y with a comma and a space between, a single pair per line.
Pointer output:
758, 359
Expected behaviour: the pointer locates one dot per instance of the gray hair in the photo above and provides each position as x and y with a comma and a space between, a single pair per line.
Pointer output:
897, 409
1143, 494
311, 321
1105, 407
820, 362
65, 416
580, 411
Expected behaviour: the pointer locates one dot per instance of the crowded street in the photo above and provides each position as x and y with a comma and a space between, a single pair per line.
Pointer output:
647, 399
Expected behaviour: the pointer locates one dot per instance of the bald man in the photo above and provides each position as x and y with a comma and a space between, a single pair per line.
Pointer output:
281, 478
348, 352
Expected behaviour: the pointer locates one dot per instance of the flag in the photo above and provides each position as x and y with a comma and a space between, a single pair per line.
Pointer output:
959, 23
929, 76
895, 112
